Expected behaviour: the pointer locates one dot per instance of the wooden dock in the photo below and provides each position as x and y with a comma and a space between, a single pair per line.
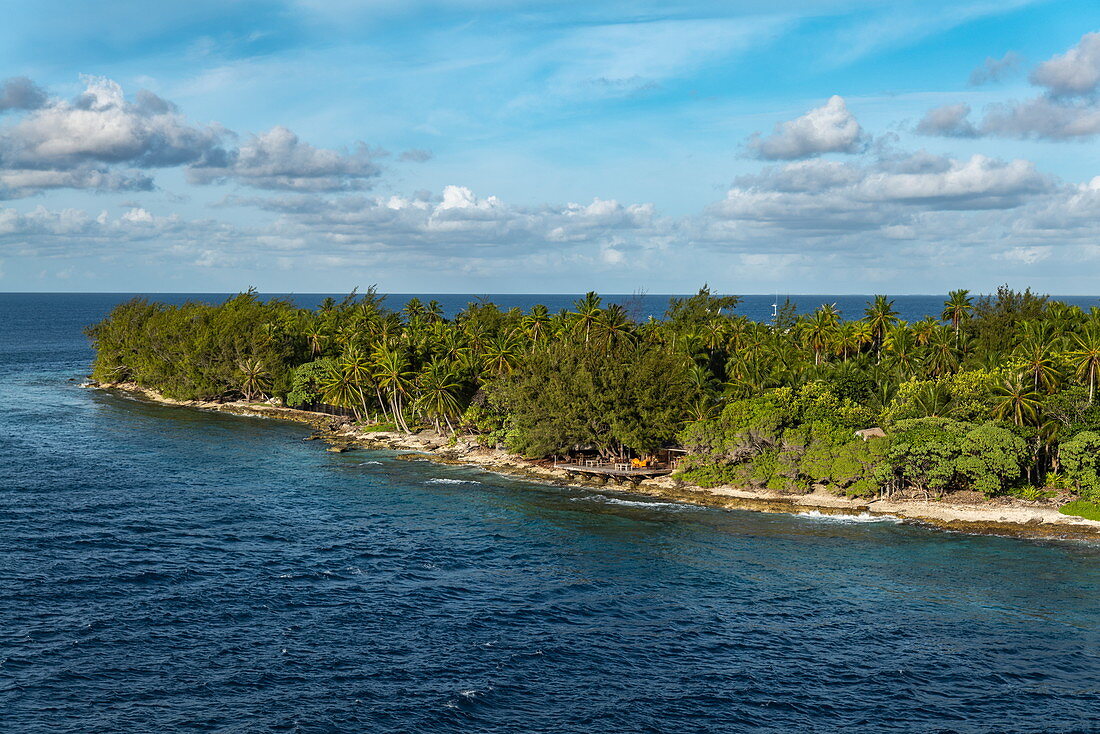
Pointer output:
617, 472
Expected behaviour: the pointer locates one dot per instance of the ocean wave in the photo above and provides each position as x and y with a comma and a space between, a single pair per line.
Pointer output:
603, 500
370, 463
452, 481
845, 518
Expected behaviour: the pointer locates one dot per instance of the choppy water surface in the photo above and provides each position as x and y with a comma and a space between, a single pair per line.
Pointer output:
167, 569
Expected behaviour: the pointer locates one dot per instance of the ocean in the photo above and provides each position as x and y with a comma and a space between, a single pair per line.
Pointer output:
167, 569
639, 306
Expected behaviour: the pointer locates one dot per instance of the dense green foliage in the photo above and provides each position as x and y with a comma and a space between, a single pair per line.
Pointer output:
1081, 508
615, 398
996, 395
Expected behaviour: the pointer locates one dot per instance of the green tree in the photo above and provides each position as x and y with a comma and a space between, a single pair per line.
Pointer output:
1086, 358
1016, 401
956, 310
439, 398
880, 316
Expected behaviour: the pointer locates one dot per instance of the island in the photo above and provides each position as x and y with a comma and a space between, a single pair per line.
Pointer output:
981, 417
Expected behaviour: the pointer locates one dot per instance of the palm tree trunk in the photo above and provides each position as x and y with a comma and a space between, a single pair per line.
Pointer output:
381, 404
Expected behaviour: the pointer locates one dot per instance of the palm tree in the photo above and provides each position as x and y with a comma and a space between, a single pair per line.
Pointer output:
340, 389
612, 325
924, 329
395, 379
736, 330
1039, 363
902, 348
942, 359
863, 333
934, 400
1016, 401
847, 341
255, 378
501, 355
880, 316
438, 397
434, 311
819, 330
537, 323
1064, 317
588, 309
1086, 358
956, 309
317, 337
355, 365
413, 309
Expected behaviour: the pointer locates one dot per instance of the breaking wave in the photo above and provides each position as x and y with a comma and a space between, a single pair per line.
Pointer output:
844, 518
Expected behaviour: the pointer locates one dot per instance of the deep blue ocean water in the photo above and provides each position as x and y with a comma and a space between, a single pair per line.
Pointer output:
167, 569
640, 306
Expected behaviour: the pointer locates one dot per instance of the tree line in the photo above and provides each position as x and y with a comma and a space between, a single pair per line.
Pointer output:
996, 393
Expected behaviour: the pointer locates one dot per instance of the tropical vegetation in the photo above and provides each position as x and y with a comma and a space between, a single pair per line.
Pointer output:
995, 394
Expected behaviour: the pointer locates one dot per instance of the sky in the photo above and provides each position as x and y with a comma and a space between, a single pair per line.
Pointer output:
519, 146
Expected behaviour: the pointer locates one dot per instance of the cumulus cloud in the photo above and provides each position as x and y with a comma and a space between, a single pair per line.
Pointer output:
1044, 118
977, 183
20, 93
994, 70
41, 232
816, 213
830, 128
19, 182
102, 127
81, 143
893, 198
455, 224
1076, 72
951, 121
1067, 109
278, 159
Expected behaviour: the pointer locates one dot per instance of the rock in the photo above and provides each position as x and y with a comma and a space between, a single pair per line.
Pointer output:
338, 449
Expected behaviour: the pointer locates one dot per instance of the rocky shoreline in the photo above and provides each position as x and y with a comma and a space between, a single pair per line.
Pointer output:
1001, 516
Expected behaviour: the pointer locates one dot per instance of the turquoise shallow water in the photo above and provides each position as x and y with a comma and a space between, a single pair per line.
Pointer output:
168, 569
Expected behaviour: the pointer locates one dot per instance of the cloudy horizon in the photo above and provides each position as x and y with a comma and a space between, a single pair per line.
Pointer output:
513, 146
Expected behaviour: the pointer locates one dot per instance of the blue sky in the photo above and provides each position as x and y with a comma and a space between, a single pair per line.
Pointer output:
515, 146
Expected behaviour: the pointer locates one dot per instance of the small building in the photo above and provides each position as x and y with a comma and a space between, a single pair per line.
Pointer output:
869, 433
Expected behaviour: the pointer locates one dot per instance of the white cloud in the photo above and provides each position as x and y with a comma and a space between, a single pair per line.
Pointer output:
456, 224
950, 121
830, 128
1074, 73
19, 182
807, 203
1025, 255
1068, 108
81, 143
20, 93
277, 159
102, 127
1044, 118
978, 183
137, 215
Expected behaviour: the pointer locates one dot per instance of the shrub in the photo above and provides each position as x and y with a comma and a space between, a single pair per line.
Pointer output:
709, 476
1081, 508
1081, 461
